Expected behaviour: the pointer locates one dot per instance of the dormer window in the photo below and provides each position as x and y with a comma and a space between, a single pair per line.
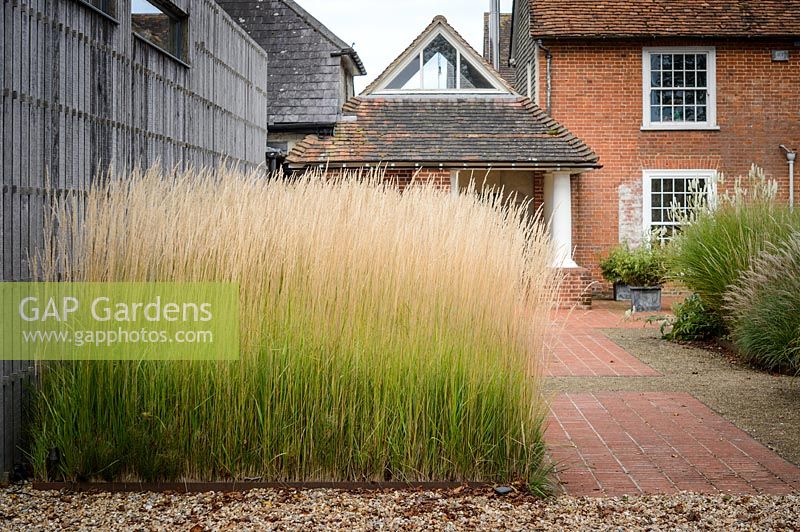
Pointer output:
440, 66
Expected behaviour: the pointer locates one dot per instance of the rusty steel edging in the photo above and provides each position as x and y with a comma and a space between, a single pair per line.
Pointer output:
226, 487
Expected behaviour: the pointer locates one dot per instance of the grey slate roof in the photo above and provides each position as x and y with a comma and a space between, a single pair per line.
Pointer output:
305, 73
476, 131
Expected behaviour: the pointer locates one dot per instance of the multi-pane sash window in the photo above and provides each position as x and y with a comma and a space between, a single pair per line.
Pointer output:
671, 197
679, 88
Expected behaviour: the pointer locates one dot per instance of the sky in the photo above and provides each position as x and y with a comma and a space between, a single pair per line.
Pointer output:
381, 30
143, 6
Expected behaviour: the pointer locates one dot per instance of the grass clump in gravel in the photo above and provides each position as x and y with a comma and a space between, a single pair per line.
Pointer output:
719, 242
764, 309
385, 334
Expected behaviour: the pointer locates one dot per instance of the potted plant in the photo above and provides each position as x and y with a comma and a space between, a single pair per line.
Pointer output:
609, 267
643, 269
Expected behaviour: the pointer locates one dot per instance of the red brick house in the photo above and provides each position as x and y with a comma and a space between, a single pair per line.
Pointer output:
665, 91
442, 112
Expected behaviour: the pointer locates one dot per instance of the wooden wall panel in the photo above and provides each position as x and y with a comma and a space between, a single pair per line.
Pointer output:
82, 95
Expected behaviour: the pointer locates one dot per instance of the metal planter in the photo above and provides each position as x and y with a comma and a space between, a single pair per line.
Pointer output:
645, 299
622, 292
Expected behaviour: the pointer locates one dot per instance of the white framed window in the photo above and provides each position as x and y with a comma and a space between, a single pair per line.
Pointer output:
672, 196
439, 64
679, 88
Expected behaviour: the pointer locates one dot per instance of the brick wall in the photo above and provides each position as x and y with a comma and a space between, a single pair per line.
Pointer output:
575, 289
404, 176
597, 94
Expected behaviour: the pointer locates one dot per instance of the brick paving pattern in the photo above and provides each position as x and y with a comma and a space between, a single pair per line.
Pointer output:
589, 353
614, 444
632, 443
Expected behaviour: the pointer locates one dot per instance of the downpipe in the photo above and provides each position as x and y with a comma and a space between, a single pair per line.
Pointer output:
791, 156
549, 75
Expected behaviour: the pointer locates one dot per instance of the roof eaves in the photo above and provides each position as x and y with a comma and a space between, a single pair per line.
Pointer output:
564, 36
559, 130
352, 54
297, 163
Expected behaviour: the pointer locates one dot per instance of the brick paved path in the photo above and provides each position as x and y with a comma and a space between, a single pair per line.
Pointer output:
631, 443
589, 353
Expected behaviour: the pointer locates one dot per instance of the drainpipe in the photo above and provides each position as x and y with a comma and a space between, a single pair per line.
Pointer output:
549, 70
790, 156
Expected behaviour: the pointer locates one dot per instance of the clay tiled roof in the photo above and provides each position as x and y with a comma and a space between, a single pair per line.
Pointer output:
663, 18
452, 131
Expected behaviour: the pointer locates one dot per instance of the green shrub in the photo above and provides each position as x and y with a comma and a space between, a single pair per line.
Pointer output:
384, 334
709, 256
643, 266
693, 322
713, 250
764, 309
610, 266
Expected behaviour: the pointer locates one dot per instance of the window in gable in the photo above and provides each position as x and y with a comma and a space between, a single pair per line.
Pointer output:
408, 78
679, 88
440, 66
472, 79
161, 24
439, 61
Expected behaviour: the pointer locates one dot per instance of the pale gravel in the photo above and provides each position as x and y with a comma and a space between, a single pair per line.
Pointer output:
22, 508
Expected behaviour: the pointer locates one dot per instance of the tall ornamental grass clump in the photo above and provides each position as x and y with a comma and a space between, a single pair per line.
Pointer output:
385, 334
764, 309
719, 244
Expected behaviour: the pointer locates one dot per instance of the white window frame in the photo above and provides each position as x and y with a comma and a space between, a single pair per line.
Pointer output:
647, 190
461, 52
711, 112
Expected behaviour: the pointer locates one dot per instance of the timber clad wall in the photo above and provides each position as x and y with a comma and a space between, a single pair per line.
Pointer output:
523, 48
81, 95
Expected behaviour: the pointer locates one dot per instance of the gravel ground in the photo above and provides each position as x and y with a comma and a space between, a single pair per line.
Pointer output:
22, 508
761, 404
